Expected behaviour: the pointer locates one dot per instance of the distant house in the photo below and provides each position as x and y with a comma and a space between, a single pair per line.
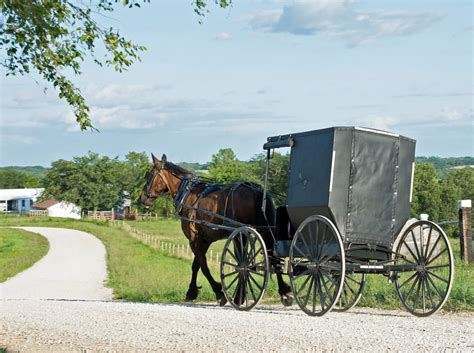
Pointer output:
57, 208
18, 200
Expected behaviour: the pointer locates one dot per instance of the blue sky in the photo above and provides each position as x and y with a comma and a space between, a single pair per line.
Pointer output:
258, 69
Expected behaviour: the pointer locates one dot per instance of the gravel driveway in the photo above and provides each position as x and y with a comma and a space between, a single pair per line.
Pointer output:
28, 325
77, 316
74, 268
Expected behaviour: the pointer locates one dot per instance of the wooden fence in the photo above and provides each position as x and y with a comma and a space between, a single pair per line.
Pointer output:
100, 215
171, 249
38, 213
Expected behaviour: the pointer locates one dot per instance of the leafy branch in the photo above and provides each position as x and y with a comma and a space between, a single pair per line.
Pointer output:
53, 36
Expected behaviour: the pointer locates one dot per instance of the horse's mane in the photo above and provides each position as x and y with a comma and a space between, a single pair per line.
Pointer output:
176, 169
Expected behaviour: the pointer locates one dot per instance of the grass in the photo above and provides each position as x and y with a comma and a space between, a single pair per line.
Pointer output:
140, 273
19, 250
169, 229
378, 292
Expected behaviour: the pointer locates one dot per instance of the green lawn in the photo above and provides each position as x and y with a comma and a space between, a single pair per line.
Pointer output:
19, 250
140, 273
169, 230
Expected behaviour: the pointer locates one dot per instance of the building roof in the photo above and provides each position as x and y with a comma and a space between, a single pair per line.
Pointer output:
46, 203
18, 194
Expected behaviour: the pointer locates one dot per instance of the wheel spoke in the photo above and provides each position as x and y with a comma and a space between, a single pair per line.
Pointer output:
423, 295
309, 254
416, 245
411, 288
301, 253
407, 280
430, 296
438, 277
438, 255
251, 290
230, 274
254, 255
434, 286
311, 241
232, 282
428, 243
437, 266
245, 293
325, 286
353, 280
308, 293
316, 287
255, 282
434, 246
304, 284
409, 249
304, 273
229, 263
233, 255
256, 273
417, 295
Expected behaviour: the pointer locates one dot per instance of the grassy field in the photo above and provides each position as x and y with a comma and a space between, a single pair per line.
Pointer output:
19, 250
140, 273
377, 293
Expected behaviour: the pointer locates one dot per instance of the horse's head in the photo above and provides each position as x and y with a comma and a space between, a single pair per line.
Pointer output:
155, 185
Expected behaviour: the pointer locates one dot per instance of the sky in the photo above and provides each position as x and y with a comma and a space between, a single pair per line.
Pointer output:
259, 69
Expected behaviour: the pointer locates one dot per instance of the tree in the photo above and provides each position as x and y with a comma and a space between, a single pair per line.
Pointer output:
88, 181
131, 173
426, 192
11, 179
225, 167
277, 174
52, 37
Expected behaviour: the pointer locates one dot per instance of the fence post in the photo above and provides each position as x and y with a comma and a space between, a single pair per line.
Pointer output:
465, 230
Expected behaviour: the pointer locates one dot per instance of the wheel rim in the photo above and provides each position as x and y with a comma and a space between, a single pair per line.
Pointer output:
316, 265
424, 290
244, 268
354, 284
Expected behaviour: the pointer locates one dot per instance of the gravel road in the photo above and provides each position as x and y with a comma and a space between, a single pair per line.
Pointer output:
29, 325
74, 268
77, 316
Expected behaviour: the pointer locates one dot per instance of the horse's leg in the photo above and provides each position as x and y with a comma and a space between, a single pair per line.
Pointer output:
200, 254
193, 288
284, 290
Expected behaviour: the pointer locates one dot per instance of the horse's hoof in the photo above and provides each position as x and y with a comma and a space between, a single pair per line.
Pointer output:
286, 299
221, 299
192, 294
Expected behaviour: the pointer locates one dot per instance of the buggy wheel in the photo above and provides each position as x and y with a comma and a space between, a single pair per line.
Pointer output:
244, 268
354, 284
425, 247
317, 265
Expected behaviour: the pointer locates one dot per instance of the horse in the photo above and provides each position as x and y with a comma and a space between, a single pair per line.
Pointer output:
238, 201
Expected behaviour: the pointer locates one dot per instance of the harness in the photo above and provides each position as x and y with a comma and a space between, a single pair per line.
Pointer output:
184, 190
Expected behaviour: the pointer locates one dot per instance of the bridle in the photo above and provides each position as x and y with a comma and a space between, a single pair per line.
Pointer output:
151, 176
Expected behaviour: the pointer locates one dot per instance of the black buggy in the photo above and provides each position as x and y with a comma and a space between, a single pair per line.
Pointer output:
347, 214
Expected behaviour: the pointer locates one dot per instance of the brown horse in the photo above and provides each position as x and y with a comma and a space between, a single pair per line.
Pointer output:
240, 202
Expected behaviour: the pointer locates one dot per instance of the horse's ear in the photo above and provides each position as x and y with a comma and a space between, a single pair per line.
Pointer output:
155, 160
163, 158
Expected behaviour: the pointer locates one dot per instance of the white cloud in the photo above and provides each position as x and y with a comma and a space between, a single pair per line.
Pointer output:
223, 36
380, 122
115, 92
19, 138
457, 117
342, 20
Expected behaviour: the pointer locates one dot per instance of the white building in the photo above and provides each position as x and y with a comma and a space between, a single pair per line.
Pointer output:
18, 200
59, 208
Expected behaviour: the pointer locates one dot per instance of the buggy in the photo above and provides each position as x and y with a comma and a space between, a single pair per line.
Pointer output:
347, 215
